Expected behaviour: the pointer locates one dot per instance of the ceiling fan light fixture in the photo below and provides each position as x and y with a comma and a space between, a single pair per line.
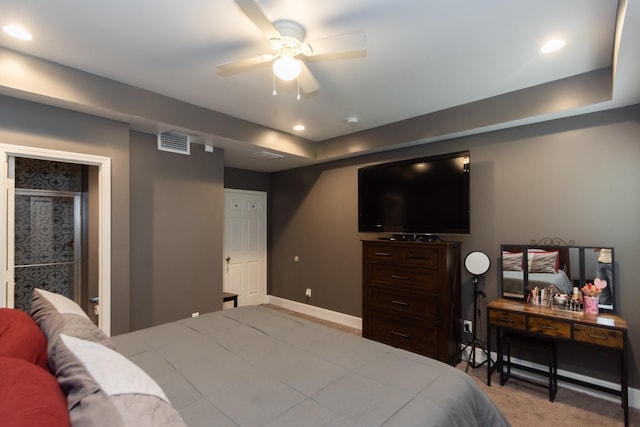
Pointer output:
552, 45
287, 67
17, 32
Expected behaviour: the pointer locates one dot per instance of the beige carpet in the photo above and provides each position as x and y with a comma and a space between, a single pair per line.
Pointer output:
527, 405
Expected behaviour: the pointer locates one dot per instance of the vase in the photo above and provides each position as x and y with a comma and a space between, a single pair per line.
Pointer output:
591, 305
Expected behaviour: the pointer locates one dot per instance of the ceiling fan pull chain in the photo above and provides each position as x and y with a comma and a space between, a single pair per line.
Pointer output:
274, 93
298, 98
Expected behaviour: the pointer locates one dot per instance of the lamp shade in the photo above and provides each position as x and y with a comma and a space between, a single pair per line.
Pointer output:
287, 67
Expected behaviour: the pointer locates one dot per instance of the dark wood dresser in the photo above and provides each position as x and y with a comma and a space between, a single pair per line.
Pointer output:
411, 296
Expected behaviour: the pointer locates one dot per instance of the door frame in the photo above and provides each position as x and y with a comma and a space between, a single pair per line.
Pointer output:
7, 152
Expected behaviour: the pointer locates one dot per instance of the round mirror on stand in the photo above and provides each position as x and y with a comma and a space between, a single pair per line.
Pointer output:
476, 263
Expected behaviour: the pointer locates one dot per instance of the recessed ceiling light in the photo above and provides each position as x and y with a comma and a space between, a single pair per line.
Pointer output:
298, 127
552, 45
17, 32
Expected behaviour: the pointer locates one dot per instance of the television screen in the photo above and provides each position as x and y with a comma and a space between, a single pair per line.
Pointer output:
428, 195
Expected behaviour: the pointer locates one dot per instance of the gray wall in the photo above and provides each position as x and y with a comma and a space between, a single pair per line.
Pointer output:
167, 211
576, 179
37, 125
240, 179
177, 215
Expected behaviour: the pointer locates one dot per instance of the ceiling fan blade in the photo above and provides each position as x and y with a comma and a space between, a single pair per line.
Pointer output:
350, 42
244, 64
308, 83
255, 13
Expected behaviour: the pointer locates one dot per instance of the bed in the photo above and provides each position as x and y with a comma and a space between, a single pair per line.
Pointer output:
254, 366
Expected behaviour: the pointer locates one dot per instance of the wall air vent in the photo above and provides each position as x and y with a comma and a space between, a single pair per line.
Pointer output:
174, 142
267, 155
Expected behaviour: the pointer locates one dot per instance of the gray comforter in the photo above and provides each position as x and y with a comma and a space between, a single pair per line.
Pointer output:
253, 366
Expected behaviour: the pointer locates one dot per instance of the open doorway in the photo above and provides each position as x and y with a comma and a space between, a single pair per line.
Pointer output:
53, 233
96, 256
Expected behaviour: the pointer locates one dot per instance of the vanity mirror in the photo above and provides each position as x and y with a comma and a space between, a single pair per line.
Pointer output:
565, 266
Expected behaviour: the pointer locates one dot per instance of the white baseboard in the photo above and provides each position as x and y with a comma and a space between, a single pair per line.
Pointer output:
634, 394
321, 313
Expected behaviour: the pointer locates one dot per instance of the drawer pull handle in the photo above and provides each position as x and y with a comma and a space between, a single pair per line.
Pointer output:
598, 337
426, 257
551, 328
400, 334
383, 254
395, 276
400, 302
507, 320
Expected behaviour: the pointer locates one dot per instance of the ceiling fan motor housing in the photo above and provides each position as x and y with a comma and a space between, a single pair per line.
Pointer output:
292, 36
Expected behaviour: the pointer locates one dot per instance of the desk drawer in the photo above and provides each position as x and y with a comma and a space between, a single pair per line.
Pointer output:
396, 301
422, 278
508, 320
550, 327
598, 336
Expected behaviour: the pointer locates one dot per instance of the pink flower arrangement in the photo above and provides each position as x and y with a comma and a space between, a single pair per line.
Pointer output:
594, 289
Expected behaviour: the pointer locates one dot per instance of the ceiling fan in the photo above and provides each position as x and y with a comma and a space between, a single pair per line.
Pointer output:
286, 39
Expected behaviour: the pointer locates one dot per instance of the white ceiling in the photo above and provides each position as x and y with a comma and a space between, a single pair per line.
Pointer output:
422, 56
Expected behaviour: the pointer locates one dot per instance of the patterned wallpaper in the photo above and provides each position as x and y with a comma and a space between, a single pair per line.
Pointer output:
46, 175
44, 229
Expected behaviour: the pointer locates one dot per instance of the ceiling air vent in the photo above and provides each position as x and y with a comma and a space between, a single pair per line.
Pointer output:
267, 155
174, 142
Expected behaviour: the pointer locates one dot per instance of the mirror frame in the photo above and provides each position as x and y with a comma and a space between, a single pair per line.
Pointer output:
586, 258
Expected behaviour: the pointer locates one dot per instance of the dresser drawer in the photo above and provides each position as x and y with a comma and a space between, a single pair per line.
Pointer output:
408, 303
419, 337
419, 256
386, 254
599, 336
508, 320
409, 277
551, 327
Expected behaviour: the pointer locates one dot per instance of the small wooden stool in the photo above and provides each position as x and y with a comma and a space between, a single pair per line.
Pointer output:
228, 296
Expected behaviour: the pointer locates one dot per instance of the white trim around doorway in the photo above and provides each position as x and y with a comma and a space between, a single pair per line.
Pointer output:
104, 218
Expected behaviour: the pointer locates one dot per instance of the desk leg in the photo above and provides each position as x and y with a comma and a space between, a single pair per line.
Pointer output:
624, 384
488, 351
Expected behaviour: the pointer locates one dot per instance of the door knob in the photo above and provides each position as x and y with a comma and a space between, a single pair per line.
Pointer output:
228, 259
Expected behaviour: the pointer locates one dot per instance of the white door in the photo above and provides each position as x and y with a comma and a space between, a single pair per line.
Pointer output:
245, 245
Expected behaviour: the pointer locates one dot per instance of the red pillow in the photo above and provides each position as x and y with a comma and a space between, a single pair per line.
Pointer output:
30, 396
20, 337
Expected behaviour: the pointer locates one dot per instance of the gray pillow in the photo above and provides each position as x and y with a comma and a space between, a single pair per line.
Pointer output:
105, 388
56, 314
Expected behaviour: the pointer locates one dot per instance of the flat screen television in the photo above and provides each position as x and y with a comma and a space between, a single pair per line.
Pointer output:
425, 196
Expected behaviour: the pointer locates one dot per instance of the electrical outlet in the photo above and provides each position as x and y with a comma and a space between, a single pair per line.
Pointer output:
308, 293
468, 326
